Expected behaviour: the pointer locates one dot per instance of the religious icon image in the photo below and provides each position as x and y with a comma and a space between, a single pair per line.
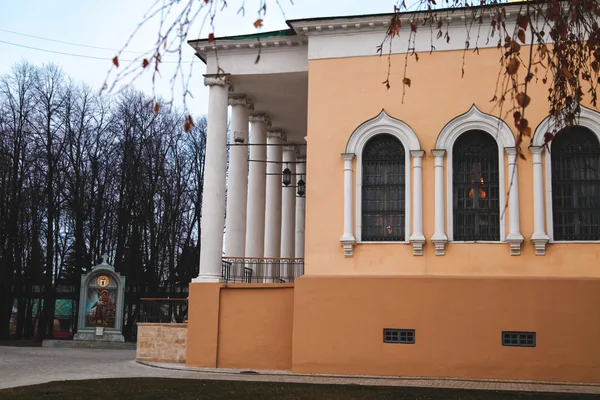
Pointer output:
103, 281
100, 308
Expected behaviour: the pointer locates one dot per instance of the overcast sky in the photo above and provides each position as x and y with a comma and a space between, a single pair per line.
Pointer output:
109, 23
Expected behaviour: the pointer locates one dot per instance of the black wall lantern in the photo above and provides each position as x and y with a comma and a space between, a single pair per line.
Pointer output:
301, 187
287, 176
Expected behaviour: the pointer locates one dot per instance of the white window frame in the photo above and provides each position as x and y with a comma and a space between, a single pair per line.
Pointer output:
588, 119
499, 130
383, 124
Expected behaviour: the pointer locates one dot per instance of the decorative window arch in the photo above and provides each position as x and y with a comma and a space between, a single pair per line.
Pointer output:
382, 124
474, 120
588, 121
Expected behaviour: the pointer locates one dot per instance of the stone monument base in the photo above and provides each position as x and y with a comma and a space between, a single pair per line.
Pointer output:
99, 336
88, 344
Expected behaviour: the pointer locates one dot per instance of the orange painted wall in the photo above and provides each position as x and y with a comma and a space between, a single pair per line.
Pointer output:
338, 325
240, 326
343, 93
255, 328
203, 325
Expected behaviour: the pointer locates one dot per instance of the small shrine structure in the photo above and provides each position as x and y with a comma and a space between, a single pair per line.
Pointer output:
101, 305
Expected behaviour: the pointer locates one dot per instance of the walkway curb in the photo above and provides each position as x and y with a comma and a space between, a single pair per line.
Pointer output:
370, 380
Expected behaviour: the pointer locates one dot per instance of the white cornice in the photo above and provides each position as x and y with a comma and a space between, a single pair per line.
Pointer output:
202, 47
381, 22
370, 27
341, 25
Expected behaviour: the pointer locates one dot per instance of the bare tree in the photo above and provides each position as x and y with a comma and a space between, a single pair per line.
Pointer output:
17, 97
83, 174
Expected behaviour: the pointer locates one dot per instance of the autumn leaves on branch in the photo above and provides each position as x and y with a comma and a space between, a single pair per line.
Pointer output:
557, 42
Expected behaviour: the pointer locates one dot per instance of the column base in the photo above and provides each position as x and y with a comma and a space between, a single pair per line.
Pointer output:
439, 241
348, 243
417, 241
208, 278
515, 241
540, 241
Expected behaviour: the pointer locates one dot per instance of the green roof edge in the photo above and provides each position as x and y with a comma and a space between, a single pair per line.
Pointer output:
279, 33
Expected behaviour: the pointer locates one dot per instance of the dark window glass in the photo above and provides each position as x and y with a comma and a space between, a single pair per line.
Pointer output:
383, 190
476, 187
576, 185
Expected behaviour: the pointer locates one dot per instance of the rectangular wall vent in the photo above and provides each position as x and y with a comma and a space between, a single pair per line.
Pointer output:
405, 336
519, 339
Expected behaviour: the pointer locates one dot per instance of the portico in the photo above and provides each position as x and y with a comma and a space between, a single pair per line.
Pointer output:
262, 213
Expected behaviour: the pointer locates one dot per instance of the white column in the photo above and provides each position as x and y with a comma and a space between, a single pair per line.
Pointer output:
348, 240
273, 199
213, 195
255, 215
300, 208
237, 184
439, 237
417, 239
514, 238
540, 237
288, 210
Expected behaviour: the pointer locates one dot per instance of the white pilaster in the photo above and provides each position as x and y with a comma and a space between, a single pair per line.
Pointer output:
300, 208
273, 199
288, 199
417, 239
348, 240
540, 237
255, 216
237, 184
213, 196
439, 237
514, 238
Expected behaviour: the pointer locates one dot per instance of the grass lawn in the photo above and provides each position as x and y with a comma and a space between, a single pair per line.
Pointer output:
158, 388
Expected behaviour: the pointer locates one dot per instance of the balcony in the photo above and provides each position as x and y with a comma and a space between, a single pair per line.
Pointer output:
261, 270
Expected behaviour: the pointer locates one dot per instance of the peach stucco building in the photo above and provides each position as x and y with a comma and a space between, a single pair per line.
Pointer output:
423, 245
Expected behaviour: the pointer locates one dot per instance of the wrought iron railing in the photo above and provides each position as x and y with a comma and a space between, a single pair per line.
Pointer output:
261, 270
163, 310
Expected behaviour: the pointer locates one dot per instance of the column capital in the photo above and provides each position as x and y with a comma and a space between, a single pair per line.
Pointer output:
260, 117
240, 100
512, 151
537, 149
417, 153
438, 152
276, 134
218, 80
348, 156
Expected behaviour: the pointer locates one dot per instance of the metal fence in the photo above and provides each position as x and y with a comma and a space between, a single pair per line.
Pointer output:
261, 270
163, 310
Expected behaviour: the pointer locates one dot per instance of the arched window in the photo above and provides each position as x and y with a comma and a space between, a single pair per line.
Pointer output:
383, 189
576, 184
476, 205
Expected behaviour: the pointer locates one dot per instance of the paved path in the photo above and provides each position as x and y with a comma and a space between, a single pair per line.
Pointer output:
20, 366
